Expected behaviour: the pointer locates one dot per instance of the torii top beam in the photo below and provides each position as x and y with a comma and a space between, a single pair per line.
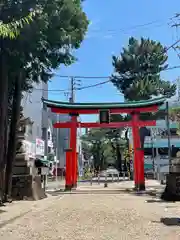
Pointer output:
94, 108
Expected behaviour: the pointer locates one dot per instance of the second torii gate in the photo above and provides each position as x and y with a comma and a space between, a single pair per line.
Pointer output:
132, 108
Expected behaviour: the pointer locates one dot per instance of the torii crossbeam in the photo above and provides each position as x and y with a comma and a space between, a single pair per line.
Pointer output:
132, 108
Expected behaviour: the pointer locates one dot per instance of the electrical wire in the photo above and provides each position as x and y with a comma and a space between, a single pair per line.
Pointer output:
104, 77
128, 28
92, 85
112, 34
131, 27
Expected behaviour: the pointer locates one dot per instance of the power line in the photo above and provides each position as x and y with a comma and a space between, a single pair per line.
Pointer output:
100, 34
102, 83
166, 49
171, 46
130, 27
93, 85
104, 77
82, 77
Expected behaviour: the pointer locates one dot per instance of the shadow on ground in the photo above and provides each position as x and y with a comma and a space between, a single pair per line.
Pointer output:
2, 211
170, 221
13, 219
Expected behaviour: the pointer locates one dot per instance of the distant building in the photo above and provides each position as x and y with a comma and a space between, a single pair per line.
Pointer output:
156, 145
56, 140
33, 108
60, 137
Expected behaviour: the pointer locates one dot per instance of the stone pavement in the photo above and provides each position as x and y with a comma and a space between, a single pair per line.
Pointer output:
91, 216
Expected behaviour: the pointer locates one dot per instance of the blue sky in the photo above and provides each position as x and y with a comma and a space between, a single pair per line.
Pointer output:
112, 23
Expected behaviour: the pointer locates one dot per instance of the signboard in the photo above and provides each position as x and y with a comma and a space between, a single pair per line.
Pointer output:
39, 147
44, 171
50, 144
104, 116
29, 149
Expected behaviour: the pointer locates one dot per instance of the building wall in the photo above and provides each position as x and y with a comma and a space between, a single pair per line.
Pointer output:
43, 121
32, 108
60, 137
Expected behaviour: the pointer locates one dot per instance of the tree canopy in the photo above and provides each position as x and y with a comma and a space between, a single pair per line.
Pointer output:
105, 146
47, 41
12, 29
36, 37
137, 70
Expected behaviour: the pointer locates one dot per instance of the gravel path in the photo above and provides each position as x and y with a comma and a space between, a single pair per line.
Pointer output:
100, 217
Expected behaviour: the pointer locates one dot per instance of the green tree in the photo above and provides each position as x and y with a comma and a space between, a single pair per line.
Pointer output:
137, 70
12, 29
105, 145
114, 136
94, 141
42, 45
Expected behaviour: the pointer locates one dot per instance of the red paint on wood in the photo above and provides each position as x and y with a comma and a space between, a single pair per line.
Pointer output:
135, 134
68, 178
153, 108
105, 125
73, 143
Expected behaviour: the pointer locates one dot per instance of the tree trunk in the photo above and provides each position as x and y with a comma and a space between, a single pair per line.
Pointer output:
5, 152
119, 159
11, 153
3, 114
113, 150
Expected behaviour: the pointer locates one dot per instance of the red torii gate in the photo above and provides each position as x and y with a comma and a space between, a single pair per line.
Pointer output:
132, 108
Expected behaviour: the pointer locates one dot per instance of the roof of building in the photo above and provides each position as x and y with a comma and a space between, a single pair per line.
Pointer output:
113, 105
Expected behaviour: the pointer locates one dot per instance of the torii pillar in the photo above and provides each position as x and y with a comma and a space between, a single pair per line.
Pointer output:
73, 147
139, 179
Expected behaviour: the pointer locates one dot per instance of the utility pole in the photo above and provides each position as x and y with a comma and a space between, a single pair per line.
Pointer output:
74, 83
71, 99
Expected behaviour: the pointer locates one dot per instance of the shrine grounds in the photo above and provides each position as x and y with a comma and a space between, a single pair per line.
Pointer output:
93, 212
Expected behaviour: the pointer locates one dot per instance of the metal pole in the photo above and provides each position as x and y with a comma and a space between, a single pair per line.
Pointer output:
57, 144
44, 182
153, 160
98, 178
106, 183
72, 91
91, 180
169, 134
158, 163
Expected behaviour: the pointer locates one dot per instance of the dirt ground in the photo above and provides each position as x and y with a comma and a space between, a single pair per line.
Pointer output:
81, 216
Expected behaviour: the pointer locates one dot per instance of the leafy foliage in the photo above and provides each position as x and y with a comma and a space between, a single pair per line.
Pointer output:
12, 30
137, 70
104, 145
32, 45
174, 114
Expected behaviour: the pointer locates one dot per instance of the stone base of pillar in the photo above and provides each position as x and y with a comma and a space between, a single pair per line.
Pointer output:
74, 185
140, 187
172, 189
68, 188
